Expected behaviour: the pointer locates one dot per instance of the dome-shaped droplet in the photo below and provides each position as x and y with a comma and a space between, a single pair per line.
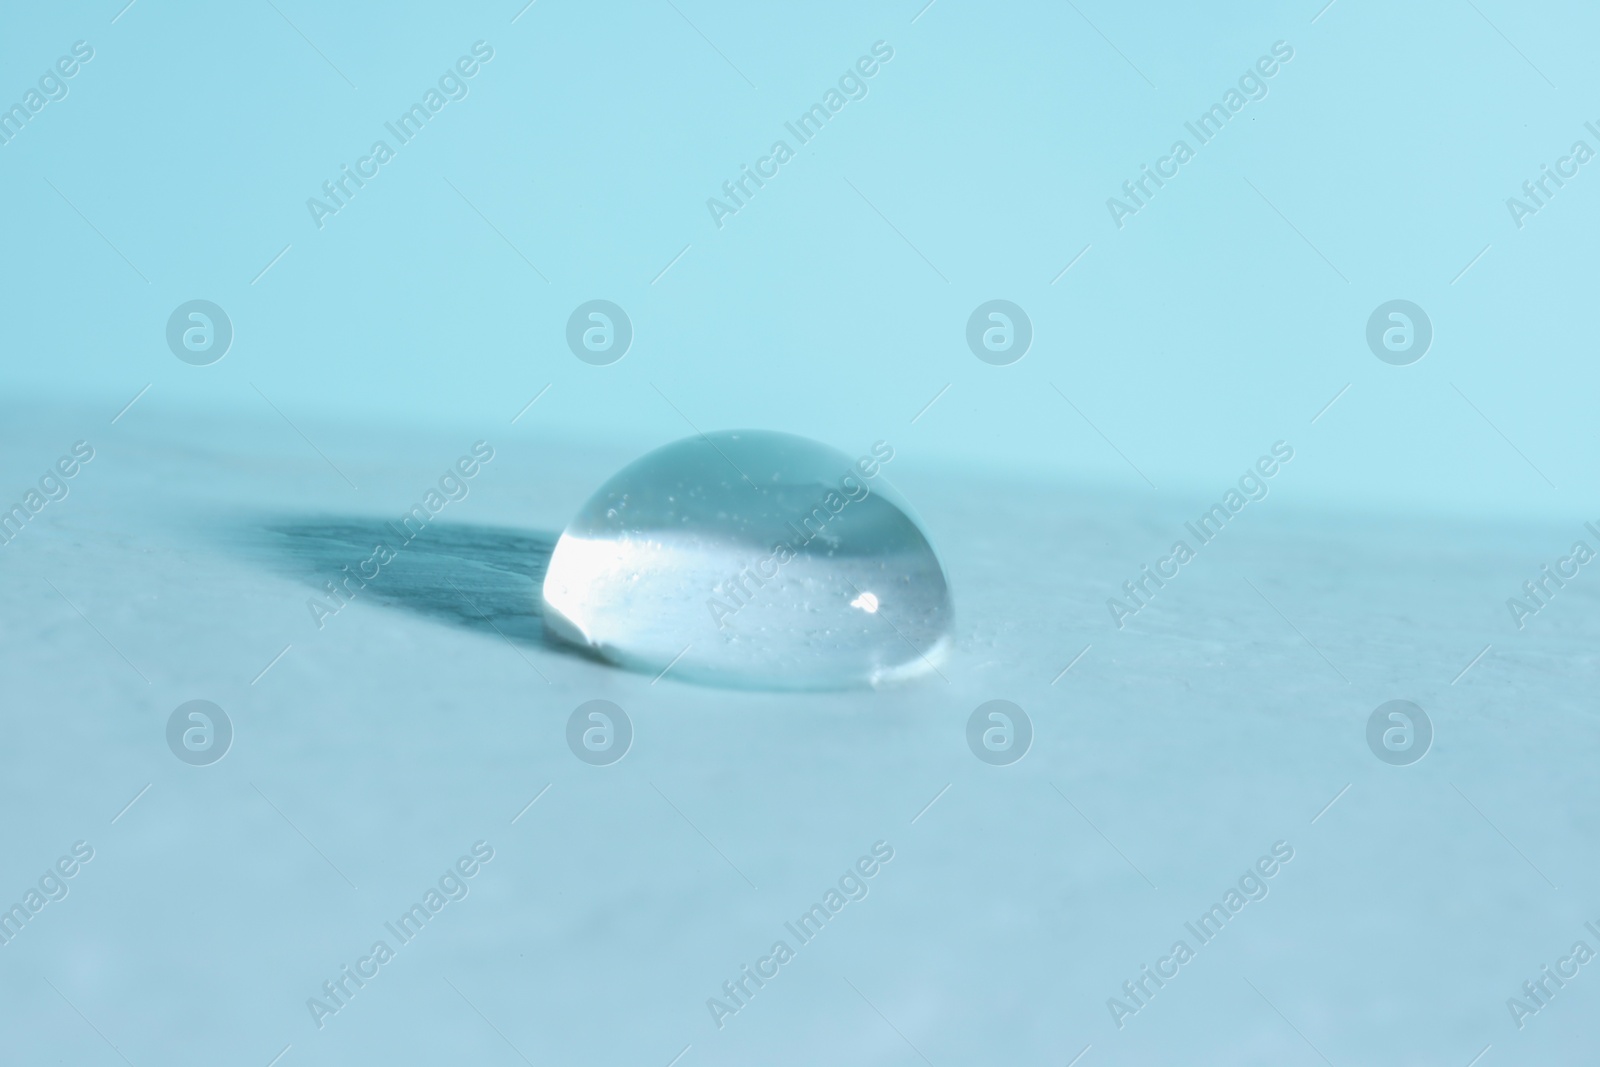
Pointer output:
752, 559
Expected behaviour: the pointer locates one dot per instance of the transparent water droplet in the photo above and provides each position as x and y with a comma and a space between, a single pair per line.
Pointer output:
752, 559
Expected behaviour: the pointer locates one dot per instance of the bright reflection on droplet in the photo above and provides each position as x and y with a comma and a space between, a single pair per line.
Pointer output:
745, 559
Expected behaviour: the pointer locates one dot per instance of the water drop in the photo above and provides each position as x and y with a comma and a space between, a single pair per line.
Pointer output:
752, 559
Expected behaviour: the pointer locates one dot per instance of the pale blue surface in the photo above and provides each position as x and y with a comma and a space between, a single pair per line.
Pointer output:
1225, 715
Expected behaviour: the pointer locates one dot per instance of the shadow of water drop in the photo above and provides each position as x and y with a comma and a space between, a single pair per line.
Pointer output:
480, 578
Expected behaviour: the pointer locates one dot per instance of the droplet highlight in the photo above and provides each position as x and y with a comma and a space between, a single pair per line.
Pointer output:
752, 559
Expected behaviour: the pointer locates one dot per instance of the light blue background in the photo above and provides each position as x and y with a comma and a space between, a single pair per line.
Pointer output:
1192, 338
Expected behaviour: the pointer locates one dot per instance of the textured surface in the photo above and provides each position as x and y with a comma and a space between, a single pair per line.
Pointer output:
426, 715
